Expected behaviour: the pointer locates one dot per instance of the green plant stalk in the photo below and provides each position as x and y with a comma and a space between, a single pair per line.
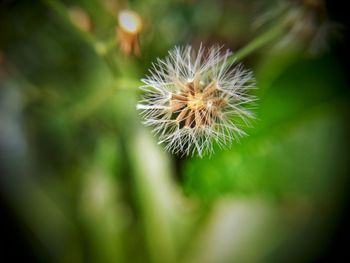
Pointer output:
257, 43
61, 10
92, 103
156, 195
100, 47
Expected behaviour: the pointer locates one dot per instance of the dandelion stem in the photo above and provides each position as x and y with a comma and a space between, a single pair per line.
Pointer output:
258, 43
156, 195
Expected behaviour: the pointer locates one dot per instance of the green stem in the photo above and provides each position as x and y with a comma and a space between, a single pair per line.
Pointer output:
258, 43
99, 47
156, 195
94, 102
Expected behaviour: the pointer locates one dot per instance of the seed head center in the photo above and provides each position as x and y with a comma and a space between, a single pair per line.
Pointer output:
196, 102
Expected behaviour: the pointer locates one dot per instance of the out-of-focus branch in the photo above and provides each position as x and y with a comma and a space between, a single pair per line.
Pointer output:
259, 42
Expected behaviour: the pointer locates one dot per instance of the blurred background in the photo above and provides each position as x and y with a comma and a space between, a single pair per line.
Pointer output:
81, 180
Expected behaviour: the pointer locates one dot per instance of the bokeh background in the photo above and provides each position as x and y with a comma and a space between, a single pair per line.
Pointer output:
81, 180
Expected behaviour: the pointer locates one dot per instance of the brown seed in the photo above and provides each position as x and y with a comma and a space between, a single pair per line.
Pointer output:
210, 89
182, 115
189, 119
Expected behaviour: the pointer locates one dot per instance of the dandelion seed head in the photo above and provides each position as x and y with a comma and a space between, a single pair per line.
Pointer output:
193, 100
